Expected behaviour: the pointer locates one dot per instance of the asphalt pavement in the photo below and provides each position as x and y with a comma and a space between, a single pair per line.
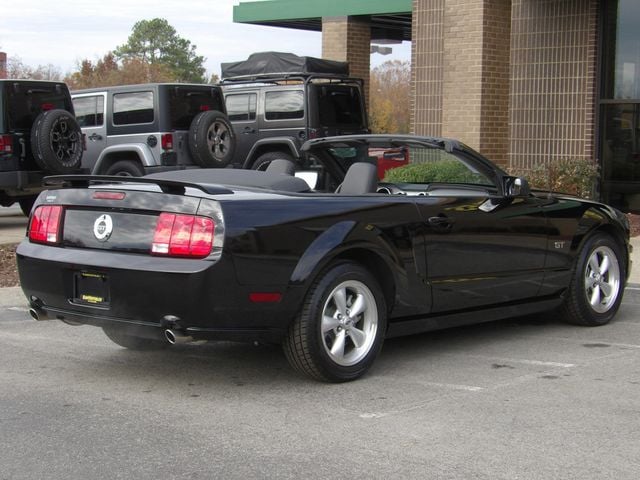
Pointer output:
528, 398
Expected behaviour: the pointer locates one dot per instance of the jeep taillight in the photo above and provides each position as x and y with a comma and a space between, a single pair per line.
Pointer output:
6, 143
166, 140
183, 236
44, 226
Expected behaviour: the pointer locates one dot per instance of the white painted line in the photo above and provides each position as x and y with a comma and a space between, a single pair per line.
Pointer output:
536, 362
632, 288
18, 309
524, 361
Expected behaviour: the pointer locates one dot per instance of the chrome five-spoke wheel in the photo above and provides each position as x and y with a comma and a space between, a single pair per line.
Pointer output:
349, 323
602, 279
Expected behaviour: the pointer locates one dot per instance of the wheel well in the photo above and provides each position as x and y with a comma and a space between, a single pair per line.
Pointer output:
378, 268
271, 148
618, 236
112, 158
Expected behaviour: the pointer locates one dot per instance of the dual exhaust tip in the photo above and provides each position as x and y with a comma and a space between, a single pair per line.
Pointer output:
174, 337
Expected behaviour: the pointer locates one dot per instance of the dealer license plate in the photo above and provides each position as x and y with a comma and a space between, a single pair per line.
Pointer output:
91, 289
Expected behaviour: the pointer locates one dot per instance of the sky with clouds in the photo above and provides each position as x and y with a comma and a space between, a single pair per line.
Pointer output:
63, 32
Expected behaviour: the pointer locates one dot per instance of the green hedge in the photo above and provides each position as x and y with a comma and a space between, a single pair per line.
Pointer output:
445, 171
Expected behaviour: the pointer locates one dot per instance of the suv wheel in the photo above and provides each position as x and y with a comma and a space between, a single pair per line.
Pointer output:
56, 141
125, 168
211, 140
263, 161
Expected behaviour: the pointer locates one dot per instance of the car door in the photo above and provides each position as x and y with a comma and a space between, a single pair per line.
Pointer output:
482, 248
90, 113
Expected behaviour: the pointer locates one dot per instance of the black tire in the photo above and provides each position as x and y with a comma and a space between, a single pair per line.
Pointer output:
132, 342
263, 161
125, 168
56, 142
26, 204
212, 142
598, 282
311, 340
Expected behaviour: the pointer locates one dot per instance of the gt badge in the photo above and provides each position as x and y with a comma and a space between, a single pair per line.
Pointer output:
103, 227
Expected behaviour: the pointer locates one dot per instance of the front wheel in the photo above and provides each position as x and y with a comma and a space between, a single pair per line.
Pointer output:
596, 289
341, 328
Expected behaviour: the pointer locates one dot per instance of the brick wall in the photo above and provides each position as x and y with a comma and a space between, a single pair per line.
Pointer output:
427, 67
348, 39
460, 63
553, 81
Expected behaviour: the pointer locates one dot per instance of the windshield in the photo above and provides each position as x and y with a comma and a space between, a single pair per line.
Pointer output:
413, 164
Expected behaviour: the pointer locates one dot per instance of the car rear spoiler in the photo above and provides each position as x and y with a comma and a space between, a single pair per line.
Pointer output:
167, 186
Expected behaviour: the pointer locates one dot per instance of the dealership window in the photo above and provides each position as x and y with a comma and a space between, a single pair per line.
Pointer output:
620, 104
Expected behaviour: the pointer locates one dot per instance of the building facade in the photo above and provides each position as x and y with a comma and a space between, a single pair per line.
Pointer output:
526, 82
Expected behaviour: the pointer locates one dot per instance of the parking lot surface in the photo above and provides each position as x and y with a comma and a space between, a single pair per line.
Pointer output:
524, 398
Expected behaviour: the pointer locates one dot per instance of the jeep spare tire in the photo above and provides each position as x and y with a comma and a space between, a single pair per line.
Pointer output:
56, 142
211, 139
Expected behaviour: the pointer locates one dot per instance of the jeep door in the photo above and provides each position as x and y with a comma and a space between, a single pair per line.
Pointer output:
90, 114
242, 113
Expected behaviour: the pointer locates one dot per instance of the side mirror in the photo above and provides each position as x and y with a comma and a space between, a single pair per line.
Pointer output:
309, 176
516, 187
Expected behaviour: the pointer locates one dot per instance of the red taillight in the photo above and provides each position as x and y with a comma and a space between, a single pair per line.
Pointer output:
44, 226
47, 106
205, 108
166, 140
183, 236
265, 297
6, 143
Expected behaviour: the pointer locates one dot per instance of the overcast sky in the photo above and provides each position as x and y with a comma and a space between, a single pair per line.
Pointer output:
63, 32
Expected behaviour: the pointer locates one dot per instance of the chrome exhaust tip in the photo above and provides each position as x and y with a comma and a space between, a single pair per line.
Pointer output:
175, 337
38, 314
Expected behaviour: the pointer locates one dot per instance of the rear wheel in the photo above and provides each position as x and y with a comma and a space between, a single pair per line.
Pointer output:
341, 328
26, 204
598, 282
125, 168
133, 342
263, 161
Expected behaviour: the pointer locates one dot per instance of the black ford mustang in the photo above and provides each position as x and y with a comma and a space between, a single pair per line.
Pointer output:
329, 261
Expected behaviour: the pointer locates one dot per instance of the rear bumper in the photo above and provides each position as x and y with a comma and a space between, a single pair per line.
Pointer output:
18, 182
198, 297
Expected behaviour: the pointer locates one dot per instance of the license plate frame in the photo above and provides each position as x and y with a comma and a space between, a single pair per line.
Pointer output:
92, 289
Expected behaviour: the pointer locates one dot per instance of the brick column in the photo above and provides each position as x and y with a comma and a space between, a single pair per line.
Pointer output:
348, 39
460, 54
3, 65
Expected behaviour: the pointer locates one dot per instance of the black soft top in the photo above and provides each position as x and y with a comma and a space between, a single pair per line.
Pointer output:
279, 63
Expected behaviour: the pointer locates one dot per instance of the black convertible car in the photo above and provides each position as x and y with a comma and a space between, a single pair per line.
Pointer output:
329, 261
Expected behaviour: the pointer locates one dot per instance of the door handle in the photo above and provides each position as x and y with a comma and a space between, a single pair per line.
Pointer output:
248, 130
441, 221
94, 136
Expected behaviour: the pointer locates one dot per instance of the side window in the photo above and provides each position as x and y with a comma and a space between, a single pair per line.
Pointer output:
241, 107
132, 108
284, 105
89, 111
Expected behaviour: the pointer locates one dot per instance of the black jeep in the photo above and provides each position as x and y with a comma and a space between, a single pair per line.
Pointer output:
39, 136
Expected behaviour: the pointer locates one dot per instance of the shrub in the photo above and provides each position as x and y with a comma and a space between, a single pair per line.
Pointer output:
449, 171
575, 176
